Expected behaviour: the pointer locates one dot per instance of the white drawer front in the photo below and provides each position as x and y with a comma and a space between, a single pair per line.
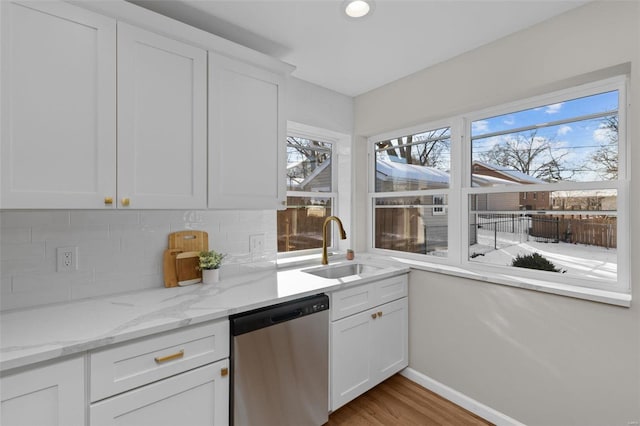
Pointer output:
129, 365
362, 297
351, 301
391, 289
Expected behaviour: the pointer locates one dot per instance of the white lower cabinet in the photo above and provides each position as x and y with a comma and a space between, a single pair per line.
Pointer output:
369, 346
197, 398
175, 378
48, 395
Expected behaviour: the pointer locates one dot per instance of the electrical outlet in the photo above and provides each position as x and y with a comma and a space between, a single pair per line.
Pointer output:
67, 259
256, 245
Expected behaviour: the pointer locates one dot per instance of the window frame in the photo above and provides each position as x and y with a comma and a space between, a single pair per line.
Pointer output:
340, 152
373, 195
460, 189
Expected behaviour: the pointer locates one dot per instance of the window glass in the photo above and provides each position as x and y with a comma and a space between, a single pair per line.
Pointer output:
300, 225
310, 196
576, 231
575, 141
415, 162
308, 165
416, 224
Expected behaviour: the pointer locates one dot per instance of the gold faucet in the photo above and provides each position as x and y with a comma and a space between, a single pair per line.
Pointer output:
343, 236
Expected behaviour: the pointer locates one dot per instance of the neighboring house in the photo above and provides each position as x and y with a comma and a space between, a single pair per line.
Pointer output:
604, 199
537, 200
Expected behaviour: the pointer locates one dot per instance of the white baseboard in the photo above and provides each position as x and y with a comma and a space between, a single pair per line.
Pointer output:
460, 399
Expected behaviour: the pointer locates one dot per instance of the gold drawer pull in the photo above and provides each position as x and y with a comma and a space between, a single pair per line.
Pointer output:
379, 314
224, 371
108, 200
373, 315
177, 355
125, 202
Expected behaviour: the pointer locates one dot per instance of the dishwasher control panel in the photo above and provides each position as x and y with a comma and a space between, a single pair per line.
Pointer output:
279, 313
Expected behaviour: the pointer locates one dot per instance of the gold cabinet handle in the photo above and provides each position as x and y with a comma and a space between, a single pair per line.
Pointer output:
373, 315
161, 359
379, 314
108, 200
125, 202
224, 371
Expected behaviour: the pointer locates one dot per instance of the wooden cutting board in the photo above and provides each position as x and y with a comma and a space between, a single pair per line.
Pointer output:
189, 241
180, 260
187, 268
169, 267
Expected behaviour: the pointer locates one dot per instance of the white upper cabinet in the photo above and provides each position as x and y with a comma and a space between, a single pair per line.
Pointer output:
246, 136
95, 116
58, 106
162, 121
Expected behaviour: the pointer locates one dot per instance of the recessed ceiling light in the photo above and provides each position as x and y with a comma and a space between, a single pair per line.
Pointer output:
358, 8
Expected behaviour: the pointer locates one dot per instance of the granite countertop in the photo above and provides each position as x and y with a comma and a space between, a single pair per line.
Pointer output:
38, 334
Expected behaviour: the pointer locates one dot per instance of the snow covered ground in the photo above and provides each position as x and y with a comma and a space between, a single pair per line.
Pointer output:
577, 260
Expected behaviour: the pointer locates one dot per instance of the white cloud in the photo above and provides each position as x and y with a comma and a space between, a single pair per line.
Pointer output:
603, 134
553, 108
564, 130
480, 126
510, 121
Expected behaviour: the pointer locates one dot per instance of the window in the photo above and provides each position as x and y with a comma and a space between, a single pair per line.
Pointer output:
310, 194
411, 182
438, 200
567, 149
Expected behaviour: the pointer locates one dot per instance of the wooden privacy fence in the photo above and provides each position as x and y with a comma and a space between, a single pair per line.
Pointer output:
601, 232
410, 229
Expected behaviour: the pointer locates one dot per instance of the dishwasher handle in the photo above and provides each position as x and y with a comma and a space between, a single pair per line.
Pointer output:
275, 319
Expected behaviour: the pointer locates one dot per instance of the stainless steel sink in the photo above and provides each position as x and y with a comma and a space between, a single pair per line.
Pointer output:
341, 271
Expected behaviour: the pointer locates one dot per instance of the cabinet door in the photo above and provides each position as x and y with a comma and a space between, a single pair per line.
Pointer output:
58, 88
197, 397
49, 395
390, 339
162, 127
351, 368
246, 136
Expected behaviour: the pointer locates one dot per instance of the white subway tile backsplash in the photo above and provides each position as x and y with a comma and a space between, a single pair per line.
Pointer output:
21, 250
118, 250
31, 218
35, 298
27, 283
16, 235
106, 217
70, 233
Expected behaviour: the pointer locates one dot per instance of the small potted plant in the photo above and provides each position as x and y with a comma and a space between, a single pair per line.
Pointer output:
209, 264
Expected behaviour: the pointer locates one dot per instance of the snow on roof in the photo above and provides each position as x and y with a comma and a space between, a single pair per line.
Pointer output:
513, 174
484, 180
387, 170
391, 170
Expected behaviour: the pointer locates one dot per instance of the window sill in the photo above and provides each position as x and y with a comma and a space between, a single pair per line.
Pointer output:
594, 295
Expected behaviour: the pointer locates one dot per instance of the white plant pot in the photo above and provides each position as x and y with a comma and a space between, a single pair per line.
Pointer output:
210, 276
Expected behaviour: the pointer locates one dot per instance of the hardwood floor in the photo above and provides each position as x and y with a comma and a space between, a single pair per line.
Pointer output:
399, 401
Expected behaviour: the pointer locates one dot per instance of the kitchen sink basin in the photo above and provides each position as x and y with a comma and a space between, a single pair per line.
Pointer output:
341, 271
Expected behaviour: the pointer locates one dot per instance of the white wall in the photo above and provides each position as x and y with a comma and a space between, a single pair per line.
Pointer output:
122, 250
316, 106
541, 359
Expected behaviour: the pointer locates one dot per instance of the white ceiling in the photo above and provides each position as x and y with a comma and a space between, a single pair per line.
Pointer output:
353, 57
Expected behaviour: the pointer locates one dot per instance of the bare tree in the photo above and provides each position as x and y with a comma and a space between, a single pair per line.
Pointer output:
314, 152
532, 155
605, 160
425, 149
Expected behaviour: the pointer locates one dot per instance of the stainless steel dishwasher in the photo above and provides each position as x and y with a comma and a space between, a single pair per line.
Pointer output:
279, 364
